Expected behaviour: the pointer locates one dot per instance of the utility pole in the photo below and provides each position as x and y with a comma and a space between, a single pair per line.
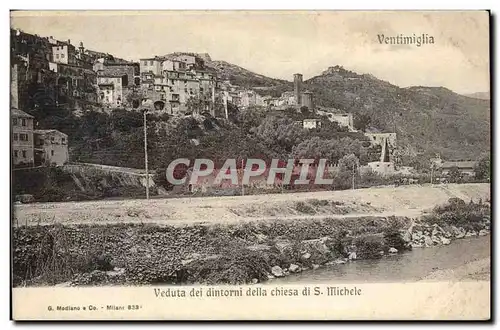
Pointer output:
353, 175
432, 172
146, 153
243, 175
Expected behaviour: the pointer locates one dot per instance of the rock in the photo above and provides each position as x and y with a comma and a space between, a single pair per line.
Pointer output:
286, 272
115, 272
261, 238
428, 241
255, 281
277, 271
352, 256
393, 250
306, 256
381, 253
407, 237
317, 249
270, 277
436, 240
470, 233
284, 247
416, 245
460, 233
294, 268
445, 241
315, 266
483, 232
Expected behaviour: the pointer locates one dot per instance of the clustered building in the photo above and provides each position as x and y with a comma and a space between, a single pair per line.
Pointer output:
170, 81
36, 147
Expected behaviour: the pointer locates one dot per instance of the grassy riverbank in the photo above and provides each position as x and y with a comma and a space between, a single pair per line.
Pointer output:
232, 253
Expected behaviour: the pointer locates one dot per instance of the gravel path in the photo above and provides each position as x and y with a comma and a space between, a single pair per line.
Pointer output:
384, 201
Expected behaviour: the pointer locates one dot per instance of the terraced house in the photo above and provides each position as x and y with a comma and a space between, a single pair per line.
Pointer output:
22, 138
170, 81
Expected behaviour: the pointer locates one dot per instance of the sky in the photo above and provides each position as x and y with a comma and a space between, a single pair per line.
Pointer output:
280, 43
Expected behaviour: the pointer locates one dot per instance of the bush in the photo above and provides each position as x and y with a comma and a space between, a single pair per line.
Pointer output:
368, 247
302, 207
393, 238
472, 216
318, 202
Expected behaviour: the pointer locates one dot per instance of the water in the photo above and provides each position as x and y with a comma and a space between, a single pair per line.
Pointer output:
408, 266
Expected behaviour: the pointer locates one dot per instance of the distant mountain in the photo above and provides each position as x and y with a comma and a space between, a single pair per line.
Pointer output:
429, 119
243, 77
479, 95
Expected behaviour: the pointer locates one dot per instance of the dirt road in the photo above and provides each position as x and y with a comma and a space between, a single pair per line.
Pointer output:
384, 201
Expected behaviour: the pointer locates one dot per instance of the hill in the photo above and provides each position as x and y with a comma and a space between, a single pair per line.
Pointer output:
245, 78
427, 119
479, 95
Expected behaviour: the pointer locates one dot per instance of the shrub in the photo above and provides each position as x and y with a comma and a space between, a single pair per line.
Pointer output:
472, 216
393, 238
303, 207
368, 247
318, 202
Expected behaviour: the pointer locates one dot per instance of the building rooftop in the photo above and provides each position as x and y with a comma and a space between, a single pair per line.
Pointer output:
48, 131
459, 164
19, 113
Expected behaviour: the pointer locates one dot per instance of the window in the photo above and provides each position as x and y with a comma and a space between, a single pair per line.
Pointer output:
14, 121
62, 55
15, 136
23, 137
24, 153
63, 140
23, 122
16, 154
51, 139
52, 152
150, 62
57, 56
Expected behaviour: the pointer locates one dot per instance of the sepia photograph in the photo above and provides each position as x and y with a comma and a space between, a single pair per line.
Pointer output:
239, 155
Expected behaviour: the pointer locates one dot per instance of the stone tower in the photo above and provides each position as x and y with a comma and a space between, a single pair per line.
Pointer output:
297, 88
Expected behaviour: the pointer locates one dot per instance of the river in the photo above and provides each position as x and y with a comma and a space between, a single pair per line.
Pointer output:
409, 266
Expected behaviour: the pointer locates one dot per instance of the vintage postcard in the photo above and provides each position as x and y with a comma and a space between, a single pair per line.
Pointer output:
250, 165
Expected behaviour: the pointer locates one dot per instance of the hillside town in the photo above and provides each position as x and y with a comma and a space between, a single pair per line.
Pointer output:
46, 72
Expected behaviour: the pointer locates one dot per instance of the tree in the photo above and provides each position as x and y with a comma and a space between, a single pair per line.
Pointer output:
196, 104
133, 98
482, 169
280, 134
455, 175
361, 121
349, 162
